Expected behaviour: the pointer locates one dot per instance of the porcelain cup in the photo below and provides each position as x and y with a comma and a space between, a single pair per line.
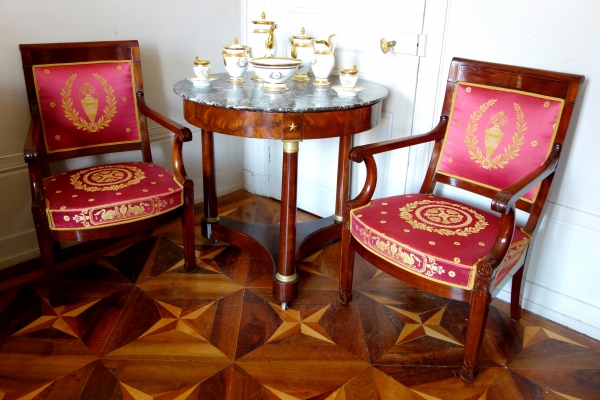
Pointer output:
349, 77
201, 68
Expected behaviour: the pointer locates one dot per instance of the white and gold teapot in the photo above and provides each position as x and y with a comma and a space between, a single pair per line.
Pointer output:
303, 49
324, 60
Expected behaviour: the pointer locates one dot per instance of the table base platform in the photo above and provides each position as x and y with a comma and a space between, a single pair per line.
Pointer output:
262, 241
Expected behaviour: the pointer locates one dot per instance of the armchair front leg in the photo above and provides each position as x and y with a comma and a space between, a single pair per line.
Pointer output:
182, 134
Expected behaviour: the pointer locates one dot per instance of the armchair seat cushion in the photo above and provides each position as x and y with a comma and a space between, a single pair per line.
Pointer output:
434, 237
110, 194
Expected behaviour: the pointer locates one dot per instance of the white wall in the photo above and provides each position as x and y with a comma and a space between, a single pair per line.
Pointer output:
561, 36
170, 34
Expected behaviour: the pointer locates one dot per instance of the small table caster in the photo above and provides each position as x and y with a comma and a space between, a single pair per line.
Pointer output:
284, 305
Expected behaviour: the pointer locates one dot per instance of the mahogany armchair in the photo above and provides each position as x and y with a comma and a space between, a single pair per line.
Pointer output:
87, 99
500, 135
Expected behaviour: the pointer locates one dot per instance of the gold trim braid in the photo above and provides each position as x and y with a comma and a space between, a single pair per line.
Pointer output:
291, 146
286, 279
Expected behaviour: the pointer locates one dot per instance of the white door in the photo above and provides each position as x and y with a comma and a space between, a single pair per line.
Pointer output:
410, 72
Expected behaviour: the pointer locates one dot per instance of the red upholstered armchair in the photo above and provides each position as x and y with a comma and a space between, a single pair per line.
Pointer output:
88, 99
500, 135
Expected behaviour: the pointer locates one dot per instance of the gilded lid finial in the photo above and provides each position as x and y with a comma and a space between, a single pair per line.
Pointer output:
263, 15
302, 31
235, 41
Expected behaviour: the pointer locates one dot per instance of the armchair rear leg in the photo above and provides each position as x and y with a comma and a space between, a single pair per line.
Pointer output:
47, 248
516, 294
188, 228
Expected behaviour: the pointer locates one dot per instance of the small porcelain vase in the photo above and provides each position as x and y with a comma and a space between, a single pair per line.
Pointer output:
235, 58
302, 49
324, 60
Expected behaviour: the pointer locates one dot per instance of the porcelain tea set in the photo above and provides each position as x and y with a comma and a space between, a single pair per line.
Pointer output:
306, 53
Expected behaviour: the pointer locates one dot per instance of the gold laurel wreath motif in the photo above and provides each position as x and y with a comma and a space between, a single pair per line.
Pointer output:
73, 115
77, 182
510, 151
406, 214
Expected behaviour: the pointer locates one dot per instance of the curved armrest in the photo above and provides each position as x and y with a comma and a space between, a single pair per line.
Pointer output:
183, 133
358, 153
365, 154
504, 200
30, 153
30, 150
502, 242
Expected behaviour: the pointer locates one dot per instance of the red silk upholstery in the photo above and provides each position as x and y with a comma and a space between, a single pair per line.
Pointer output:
437, 238
87, 100
87, 104
496, 136
501, 132
110, 194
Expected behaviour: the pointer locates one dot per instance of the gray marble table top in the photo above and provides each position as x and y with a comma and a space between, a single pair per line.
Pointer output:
301, 96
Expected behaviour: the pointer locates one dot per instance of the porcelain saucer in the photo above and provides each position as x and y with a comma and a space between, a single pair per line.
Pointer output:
348, 92
202, 82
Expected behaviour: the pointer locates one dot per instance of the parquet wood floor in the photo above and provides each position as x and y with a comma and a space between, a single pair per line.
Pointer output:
137, 327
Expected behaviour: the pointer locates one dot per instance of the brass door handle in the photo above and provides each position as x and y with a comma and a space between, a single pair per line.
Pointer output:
385, 45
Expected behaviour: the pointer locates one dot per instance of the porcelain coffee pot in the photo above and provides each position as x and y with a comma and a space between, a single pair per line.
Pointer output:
302, 49
324, 60
262, 40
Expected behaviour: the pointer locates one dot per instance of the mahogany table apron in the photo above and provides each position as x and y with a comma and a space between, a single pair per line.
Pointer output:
303, 112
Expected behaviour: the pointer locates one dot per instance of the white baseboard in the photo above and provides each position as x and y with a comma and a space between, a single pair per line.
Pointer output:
568, 311
19, 248
562, 262
310, 190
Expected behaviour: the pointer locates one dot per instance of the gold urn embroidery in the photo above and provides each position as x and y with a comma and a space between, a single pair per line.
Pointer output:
495, 130
89, 102
107, 178
443, 217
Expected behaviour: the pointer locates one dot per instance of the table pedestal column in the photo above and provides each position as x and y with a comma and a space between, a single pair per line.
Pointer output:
285, 284
211, 213
343, 177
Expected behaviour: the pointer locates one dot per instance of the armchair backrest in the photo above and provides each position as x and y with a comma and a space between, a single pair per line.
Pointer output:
83, 96
503, 122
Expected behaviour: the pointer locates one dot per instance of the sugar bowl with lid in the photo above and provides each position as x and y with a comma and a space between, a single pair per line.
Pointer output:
235, 58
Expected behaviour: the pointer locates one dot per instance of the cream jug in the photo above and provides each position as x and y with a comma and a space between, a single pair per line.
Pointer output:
303, 49
324, 61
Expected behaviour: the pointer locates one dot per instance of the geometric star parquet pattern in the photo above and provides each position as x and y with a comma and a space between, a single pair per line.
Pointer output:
136, 326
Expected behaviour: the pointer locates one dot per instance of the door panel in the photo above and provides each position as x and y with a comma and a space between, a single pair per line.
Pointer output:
358, 30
